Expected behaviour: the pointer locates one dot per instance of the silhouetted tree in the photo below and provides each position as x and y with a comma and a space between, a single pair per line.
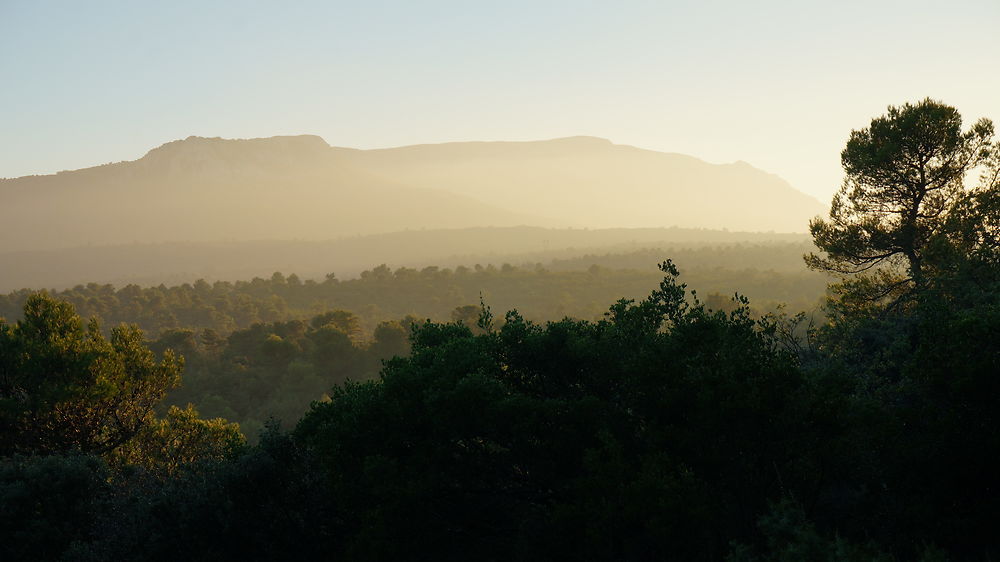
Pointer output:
905, 176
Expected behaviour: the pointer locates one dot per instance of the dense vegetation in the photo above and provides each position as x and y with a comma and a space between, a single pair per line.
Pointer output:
276, 370
261, 349
664, 430
578, 287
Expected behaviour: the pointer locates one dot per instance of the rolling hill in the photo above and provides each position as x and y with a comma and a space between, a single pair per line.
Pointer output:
590, 181
185, 262
285, 188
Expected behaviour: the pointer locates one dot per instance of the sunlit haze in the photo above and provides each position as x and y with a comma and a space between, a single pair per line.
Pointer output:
639, 280
778, 84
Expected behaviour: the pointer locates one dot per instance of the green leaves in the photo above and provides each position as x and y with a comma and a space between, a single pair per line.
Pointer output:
178, 440
68, 388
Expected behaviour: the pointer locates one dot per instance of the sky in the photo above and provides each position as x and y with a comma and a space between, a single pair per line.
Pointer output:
777, 84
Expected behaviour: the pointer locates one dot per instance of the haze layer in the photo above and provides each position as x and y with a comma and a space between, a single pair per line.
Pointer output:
203, 189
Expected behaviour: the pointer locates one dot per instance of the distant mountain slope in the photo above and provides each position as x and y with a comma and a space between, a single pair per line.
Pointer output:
602, 185
217, 190
202, 189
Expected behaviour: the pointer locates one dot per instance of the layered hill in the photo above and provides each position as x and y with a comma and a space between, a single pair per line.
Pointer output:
202, 189
283, 188
591, 181
185, 262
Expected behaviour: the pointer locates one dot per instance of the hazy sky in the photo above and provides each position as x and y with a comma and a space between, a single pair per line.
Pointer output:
779, 84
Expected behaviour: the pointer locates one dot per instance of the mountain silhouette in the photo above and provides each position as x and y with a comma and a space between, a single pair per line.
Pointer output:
602, 185
298, 187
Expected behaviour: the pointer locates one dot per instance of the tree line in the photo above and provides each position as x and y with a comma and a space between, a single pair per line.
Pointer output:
576, 288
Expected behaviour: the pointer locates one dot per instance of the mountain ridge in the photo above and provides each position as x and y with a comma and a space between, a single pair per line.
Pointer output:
298, 186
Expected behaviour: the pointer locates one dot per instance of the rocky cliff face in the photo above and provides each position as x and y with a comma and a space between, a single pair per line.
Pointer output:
200, 155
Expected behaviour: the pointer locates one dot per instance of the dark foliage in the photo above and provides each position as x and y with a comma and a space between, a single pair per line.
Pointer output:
669, 429
575, 288
276, 370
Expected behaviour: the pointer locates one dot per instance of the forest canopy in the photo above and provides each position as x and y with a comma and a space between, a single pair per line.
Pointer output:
671, 427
